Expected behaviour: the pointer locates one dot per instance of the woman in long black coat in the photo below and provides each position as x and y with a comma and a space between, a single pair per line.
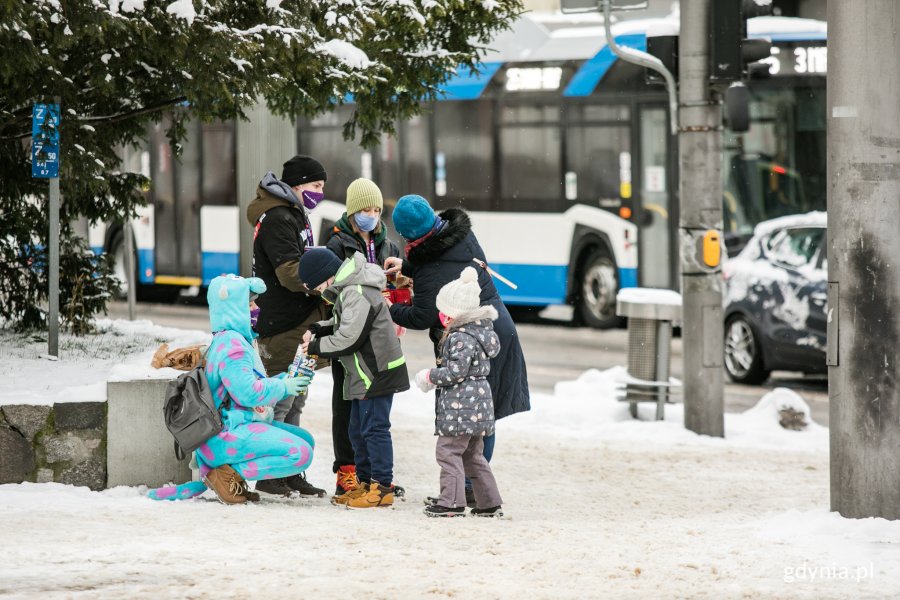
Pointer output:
440, 247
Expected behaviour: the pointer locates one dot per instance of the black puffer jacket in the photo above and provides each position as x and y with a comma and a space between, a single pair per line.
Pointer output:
439, 260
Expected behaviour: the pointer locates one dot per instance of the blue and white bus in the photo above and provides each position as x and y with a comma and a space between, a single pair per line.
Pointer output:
560, 152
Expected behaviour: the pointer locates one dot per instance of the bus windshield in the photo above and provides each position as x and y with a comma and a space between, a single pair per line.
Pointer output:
777, 167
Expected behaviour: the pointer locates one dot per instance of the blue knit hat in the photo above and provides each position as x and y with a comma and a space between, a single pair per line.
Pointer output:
413, 217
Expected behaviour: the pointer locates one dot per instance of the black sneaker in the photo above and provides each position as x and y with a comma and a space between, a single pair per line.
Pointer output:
494, 511
436, 510
275, 487
470, 499
300, 484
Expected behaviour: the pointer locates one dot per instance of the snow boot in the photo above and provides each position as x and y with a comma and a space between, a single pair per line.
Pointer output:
399, 492
299, 483
275, 487
436, 510
346, 480
470, 499
247, 493
361, 490
227, 484
377, 496
494, 511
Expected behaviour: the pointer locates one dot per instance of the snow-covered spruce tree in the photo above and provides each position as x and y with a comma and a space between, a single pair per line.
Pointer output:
118, 65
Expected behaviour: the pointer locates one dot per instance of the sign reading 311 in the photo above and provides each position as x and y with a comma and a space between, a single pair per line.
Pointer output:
45, 120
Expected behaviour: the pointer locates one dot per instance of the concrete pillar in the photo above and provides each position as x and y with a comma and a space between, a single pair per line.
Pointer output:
863, 112
139, 448
700, 193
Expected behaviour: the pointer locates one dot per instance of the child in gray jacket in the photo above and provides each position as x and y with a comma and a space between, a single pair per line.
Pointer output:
362, 336
464, 409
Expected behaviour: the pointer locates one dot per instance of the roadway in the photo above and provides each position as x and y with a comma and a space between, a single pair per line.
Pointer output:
554, 350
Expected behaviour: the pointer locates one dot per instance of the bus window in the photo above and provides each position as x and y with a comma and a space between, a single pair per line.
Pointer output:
343, 160
531, 174
592, 153
463, 138
218, 165
419, 178
778, 166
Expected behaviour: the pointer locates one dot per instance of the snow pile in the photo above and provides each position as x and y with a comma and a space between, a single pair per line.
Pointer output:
347, 53
183, 9
649, 296
121, 350
587, 408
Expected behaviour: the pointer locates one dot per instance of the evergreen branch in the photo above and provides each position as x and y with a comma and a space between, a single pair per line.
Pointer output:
134, 113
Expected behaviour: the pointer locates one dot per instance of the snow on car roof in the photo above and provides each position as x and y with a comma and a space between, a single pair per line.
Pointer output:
815, 218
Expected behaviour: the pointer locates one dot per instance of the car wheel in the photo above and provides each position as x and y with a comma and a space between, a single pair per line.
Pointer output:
596, 301
743, 353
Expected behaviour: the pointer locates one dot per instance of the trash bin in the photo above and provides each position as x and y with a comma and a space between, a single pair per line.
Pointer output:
650, 314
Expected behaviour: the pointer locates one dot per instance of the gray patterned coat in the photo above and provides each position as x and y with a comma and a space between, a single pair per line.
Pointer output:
463, 404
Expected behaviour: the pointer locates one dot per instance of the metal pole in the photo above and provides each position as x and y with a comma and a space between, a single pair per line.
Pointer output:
129, 267
863, 119
643, 59
700, 192
53, 274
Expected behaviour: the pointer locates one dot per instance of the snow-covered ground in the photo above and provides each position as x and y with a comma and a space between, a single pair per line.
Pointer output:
598, 506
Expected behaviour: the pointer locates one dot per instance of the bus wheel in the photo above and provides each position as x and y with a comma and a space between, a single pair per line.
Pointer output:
596, 301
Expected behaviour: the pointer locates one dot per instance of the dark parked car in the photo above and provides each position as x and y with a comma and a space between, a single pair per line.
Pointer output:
775, 300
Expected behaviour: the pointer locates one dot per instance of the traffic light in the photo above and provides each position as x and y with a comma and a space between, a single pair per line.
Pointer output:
730, 52
665, 48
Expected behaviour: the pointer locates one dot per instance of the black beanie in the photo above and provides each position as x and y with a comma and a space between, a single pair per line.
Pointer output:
317, 265
302, 169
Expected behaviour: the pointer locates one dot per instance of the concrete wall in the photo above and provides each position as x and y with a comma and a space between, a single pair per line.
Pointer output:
63, 443
123, 441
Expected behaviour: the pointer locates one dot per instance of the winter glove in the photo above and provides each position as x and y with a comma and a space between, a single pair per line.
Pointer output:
423, 381
296, 385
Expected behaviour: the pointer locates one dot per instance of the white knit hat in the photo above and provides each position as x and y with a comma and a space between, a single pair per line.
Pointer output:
461, 295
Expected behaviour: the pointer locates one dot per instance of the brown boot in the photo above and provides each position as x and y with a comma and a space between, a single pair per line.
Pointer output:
227, 484
377, 496
361, 490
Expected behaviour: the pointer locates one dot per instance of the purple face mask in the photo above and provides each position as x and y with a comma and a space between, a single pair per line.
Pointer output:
312, 199
254, 317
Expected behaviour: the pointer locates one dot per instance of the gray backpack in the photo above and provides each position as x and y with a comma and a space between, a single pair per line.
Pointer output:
190, 411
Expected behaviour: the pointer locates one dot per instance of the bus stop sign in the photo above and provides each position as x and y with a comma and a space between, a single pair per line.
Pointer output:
45, 119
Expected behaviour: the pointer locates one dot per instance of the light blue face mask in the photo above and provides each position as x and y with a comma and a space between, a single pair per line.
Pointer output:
365, 222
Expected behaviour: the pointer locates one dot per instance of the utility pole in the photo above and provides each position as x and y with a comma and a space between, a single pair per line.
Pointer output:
700, 193
863, 353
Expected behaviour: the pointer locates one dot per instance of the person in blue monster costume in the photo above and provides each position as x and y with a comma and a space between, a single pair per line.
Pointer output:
251, 445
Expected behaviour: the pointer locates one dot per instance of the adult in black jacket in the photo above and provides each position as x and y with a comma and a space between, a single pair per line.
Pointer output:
358, 230
281, 233
440, 247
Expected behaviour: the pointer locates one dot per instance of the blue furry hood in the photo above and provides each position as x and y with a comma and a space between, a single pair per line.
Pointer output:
229, 303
